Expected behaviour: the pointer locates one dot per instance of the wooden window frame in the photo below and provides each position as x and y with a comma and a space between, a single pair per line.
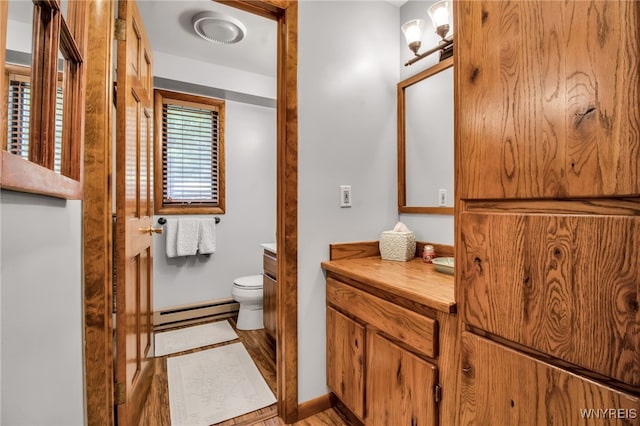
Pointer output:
162, 97
15, 72
52, 34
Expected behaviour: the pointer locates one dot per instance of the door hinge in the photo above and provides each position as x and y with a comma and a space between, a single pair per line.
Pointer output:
120, 394
120, 30
437, 393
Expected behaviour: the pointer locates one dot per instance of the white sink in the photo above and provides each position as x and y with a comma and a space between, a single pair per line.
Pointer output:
269, 246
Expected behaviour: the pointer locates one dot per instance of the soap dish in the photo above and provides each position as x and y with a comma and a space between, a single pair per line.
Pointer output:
444, 264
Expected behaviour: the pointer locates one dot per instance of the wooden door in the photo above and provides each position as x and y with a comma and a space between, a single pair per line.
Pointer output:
134, 211
400, 385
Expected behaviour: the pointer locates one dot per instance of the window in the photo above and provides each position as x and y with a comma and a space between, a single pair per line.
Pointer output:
43, 108
18, 114
189, 151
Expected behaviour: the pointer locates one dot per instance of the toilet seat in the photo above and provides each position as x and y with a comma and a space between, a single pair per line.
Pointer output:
249, 282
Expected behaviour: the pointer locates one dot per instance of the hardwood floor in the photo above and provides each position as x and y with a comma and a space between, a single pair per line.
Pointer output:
262, 351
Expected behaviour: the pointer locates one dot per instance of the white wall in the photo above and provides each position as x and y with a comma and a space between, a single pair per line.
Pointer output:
41, 311
433, 228
197, 72
347, 76
250, 218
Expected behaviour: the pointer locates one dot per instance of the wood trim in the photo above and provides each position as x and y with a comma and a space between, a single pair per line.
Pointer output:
22, 175
97, 217
426, 210
372, 248
600, 206
354, 250
195, 101
44, 75
314, 406
402, 167
4, 10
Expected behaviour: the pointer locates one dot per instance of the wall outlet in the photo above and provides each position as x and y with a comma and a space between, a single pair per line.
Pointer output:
345, 195
442, 197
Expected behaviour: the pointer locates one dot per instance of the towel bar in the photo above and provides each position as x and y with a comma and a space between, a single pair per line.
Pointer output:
162, 220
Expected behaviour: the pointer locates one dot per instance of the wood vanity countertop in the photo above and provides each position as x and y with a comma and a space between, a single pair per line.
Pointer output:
414, 280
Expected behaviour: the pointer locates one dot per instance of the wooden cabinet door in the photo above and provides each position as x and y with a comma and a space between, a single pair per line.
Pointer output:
400, 385
345, 360
269, 314
552, 109
564, 285
500, 386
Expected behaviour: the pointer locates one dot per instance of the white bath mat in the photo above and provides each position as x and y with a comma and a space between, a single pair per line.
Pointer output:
183, 339
214, 385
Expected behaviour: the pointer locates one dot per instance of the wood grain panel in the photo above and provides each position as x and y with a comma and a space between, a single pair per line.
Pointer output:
345, 360
552, 110
500, 386
21, 175
399, 386
408, 327
563, 285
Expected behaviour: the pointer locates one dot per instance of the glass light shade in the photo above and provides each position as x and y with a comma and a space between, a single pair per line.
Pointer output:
439, 13
413, 30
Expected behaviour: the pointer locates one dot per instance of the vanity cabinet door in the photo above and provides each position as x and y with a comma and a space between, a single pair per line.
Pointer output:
345, 360
400, 385
269, 293
269, 314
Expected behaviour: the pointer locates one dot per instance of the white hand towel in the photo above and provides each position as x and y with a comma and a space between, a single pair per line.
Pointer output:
187, 239
207, 236
171, 231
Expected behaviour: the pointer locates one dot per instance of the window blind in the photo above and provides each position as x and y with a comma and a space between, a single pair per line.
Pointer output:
190, 155
18, 118
19, 114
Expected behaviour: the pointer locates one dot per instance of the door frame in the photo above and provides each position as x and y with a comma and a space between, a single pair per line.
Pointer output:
97, 208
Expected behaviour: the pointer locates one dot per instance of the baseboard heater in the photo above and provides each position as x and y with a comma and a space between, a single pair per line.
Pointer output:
176, 316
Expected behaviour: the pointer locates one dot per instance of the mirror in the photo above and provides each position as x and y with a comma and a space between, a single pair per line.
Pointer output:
425, 141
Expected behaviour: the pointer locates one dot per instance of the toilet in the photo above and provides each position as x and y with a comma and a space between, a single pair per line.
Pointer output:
247, 291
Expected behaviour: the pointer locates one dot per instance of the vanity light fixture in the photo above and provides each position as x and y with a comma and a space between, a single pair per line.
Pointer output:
440, 13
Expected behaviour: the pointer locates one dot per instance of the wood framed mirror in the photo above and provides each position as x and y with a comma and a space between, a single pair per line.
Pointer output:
425, 141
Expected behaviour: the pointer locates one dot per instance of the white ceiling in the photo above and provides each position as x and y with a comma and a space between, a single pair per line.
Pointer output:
168, 24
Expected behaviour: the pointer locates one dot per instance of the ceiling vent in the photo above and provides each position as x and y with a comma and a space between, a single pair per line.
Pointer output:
218, 28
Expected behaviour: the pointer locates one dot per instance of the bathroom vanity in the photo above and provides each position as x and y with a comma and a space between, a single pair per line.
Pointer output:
391, 337
269, 288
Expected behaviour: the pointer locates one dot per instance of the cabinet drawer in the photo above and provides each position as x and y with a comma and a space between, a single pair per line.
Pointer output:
406, 326
269, 265
501, 386
563, 285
